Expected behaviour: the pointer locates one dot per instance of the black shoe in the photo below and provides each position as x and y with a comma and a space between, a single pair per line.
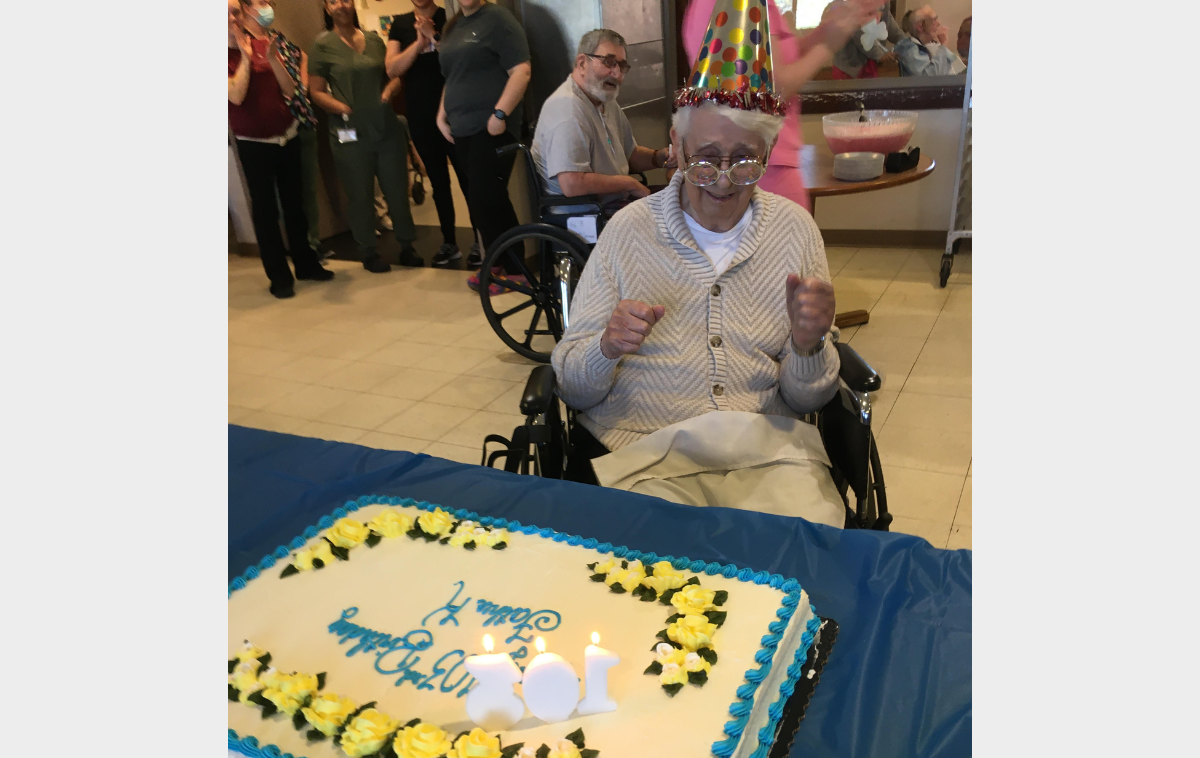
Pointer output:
283, 291
409, 258
317, 274
446, 254
376, 264
475, 257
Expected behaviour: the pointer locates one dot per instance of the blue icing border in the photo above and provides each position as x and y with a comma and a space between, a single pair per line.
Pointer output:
739, 710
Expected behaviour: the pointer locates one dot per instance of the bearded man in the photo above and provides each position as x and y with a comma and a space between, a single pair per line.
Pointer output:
583, 144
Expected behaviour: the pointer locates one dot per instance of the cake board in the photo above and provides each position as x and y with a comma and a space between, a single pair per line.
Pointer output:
797, 704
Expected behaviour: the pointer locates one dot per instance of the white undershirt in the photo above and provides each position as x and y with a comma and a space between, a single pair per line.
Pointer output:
719, 246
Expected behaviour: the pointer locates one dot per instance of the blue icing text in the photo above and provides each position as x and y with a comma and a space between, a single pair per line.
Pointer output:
520, 618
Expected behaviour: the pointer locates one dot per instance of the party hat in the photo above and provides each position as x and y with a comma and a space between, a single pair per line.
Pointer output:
734, 68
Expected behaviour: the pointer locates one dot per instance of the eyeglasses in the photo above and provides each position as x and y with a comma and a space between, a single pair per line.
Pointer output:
705, 172
610, 62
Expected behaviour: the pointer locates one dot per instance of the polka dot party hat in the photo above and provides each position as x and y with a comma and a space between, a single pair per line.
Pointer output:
734, 68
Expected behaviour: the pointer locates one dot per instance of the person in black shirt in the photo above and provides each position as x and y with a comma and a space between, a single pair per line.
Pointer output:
485, 59
412, 55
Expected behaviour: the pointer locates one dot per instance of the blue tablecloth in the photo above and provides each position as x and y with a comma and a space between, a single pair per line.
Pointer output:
898, 682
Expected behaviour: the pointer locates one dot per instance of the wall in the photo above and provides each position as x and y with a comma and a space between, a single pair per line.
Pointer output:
921, 205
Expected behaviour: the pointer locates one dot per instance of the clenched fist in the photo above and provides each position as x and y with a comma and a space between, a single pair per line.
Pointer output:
810, 308
629, 327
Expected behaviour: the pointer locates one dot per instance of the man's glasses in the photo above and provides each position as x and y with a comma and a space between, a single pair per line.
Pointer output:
610, 62
705, 172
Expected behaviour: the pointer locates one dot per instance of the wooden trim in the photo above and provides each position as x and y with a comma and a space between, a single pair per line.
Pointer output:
946, 97
927, 238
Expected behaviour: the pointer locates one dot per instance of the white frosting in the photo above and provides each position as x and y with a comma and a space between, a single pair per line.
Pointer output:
400, 581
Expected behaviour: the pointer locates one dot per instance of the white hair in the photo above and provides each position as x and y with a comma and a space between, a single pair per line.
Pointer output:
762, 124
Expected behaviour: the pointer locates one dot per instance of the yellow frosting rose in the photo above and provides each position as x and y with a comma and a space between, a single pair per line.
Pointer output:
438, 522
245, 680
421, 741
300, 685
460, 538
367, 733
249, 652
673, 673
665, 578
693, 632
304, 558
327, 712
665, 654
565, 749
390, 523
603, 567
628, 578
271, 677
477, 744
693, 599
347, 533
287, 702
495, 537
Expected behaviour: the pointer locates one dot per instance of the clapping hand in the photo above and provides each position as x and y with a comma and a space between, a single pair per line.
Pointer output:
811, 308
246, 45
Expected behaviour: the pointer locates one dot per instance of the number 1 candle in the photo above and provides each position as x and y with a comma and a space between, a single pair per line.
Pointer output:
597, 662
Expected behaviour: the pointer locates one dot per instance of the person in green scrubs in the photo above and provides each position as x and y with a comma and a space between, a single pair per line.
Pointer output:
346, 79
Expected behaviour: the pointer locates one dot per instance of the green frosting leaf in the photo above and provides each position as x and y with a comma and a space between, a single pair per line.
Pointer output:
648, 597
444, 540
298, 719
257, 698
315, 735
674, 617
511, 750
542, 752
500, 546
233, 662
593, 564
697, 678
413, 533
693, 580
577, 737
716, 617
672, 688
341, 553
374, 539
597, 577
321, 680
264, 659
318, 563
654, 668
663, 636
588, 753
720, 597
624, 564
414, 722
289, 571
469, 545
665, 598
617, 588
708, 654
233, 693
269, 710
649, 568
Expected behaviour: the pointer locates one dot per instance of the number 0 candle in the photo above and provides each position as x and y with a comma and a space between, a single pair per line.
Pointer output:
597, 662
551, 686
492, 703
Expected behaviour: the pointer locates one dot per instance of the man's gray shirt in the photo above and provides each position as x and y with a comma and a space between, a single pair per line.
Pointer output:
573, 135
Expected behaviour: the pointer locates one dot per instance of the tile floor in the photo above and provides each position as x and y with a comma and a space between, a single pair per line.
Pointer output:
407, 361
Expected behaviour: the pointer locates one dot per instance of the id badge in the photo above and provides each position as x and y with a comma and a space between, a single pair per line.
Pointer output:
347, 135
584, 226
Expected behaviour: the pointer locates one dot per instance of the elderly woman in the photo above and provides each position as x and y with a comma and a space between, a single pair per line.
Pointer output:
701, 332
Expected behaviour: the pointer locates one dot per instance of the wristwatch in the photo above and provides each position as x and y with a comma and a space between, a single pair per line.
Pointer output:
808, 353
499, 114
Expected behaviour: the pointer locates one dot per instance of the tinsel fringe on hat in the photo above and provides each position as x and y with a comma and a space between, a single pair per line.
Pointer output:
742, 98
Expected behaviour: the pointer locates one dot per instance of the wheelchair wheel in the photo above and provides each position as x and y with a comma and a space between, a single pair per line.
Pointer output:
528, 317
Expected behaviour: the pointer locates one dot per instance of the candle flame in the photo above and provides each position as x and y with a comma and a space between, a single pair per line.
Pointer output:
541, 645
487, 642
595, 638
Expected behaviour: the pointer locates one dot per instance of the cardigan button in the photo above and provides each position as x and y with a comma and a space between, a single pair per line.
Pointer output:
716, 290
715, 341
718, 390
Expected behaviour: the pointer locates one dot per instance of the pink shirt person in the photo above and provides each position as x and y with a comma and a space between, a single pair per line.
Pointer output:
783, 169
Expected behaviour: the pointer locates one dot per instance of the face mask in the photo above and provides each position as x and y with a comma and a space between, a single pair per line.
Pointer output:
266, 16
872, 32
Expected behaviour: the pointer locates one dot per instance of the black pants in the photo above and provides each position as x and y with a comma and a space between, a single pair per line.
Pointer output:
269, 167
487, 185
435, 151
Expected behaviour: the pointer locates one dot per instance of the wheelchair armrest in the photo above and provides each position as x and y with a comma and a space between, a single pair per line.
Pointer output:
539, 391
855, 372
550, 202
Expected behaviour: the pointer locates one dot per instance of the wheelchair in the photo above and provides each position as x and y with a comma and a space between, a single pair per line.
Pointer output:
548, 442
552, 271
